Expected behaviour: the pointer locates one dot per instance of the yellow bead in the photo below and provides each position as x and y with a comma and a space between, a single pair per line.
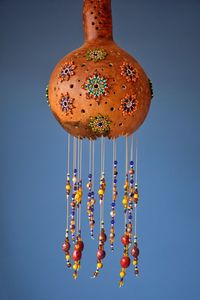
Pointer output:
68, 187
122, 274
135, 262
136, 196
125, 201
99, 265
100, 192
67, 257
75, 267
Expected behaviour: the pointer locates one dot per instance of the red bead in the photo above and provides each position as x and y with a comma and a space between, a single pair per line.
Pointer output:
79, 245
125, 262
65, 246
125, 239
135, 251
101, 254
76, 255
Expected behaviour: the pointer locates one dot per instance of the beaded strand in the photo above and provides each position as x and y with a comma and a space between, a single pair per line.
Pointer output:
66, 245
114, 197
102, 235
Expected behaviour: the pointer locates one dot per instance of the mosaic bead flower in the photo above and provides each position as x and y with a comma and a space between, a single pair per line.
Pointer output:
47, 95
128, 71
96, 87
100, 124
96, 54
67, 71
129, 105
66, 103
151, 88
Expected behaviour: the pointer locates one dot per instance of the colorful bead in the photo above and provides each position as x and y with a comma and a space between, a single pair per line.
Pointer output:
128, 71
96, 54
125, 262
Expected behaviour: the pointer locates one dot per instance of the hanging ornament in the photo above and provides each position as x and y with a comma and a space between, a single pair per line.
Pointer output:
100, 91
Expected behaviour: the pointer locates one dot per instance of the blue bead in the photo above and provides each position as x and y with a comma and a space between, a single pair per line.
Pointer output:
115, 180
131, 163
75, 170
89, 194
112, 222
131, 181
90, 176
115, 162
113, 204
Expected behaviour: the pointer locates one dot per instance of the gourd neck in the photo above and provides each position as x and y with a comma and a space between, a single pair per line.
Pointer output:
97, 20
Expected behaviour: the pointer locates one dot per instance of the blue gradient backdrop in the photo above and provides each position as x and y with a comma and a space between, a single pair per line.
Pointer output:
164, 37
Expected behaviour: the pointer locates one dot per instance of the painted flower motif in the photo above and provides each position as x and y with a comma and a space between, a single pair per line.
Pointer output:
128, 71
129, 105
151, 88
47, 95
96, 86
66, 103
96, 54
100, 124
67, 71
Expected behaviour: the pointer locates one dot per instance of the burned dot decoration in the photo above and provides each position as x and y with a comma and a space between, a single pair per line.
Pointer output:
96, 86
129, 105
128, 71
151, 88
96, 54
100, 124
66, 103
67, 71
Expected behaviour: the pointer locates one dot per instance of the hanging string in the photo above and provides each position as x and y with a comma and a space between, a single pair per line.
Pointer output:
114, 196
74, 194
68, 181
125, 239
102, 236
80, 167
135, 251
66, 245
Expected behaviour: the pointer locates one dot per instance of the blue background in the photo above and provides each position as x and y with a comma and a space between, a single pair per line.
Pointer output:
164, 37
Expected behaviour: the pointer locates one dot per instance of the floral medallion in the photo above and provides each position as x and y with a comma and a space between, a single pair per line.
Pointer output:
100, 124
66, 103
96, 87
128, 71
47, 95
67, 71
96, 54
151, 88
129, 105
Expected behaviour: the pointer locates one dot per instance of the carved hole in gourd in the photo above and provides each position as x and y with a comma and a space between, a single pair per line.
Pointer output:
95, 17
112, 109
97, 28
120, 124
106, 102
82, 111
90, 104
110, 64
91, 12
80, 94
83, 65
93, 23
123, 87
71, 86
